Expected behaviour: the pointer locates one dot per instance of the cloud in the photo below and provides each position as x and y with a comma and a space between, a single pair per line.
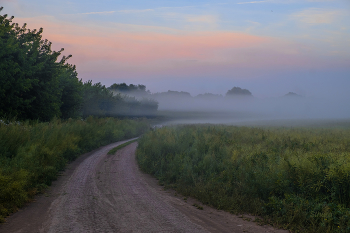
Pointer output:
315, 16
202, 19
120, 11
99, 13
320, 0
137, 50
252, 2
135, 11
176, 7
142, 48
193, 21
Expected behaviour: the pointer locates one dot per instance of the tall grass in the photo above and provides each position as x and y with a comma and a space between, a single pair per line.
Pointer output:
297, 178
31, 155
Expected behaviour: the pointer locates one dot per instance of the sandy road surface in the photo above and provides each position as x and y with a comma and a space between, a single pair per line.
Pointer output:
107, 193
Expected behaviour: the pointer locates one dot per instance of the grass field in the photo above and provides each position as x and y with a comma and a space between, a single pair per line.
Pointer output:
297, 178
32, 154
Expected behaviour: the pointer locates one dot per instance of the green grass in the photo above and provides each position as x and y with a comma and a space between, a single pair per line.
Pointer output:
32, 154
111, 152
296, 178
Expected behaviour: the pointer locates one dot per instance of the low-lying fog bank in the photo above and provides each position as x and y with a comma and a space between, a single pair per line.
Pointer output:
234, 111
238, 105
254, 121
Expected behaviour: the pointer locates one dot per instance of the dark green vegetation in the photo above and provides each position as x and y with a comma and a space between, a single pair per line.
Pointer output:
123, 87
31, 155
39, 89
101, 101
35, 85
111, 152
296, 178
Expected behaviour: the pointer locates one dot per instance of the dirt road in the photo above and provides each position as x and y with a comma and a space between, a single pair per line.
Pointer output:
108, 193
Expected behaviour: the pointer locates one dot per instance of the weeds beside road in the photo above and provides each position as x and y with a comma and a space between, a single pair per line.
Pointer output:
32, 154
297, 178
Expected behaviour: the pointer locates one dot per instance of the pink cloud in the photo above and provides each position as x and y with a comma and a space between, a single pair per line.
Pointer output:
147, 47
111, 50
117, 45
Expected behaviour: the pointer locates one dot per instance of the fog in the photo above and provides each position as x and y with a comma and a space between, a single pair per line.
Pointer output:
181, 108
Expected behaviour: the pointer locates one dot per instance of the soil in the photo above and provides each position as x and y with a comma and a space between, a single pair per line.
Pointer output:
108, 193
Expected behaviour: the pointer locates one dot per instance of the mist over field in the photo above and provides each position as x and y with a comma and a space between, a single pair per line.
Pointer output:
270, 48
73, 78
182, 107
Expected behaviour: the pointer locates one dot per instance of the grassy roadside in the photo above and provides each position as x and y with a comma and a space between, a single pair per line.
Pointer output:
114, 150
296, 178
32, 154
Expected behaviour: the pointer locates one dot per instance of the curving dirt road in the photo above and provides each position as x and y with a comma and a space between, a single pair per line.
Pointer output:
108, 193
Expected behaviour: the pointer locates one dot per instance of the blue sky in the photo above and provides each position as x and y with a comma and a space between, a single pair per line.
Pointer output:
269, 47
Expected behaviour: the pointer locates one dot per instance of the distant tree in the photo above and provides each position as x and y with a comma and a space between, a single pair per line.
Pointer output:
123, 87
148, 107
208, 96
237, 91
141, 87
100, 101
292, 94
172, 94
97, 100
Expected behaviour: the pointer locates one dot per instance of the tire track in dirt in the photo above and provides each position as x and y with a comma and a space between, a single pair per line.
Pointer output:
108, 193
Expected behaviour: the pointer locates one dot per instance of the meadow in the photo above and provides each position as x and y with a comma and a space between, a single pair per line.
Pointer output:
33, 153
296, 178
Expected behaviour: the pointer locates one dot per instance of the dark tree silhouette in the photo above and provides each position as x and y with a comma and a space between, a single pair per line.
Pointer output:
237, 91
33, 84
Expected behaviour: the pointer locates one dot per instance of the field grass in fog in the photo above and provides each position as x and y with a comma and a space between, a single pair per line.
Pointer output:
296, 177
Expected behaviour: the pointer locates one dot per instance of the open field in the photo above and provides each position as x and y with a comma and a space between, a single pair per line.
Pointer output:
296, 177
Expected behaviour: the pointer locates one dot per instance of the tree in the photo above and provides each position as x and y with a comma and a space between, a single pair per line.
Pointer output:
71, 89
292, 94
237, 91
124, 88
100, 101
97, 100
16, 69
33, 84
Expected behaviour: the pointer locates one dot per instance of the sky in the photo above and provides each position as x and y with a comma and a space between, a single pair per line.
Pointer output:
269, 47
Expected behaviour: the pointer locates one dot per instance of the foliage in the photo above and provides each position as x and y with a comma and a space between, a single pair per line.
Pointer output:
298, 178
100, 101
237, 91
71, 88
31, 155
97, 100
172, 94
123, 87
33, 84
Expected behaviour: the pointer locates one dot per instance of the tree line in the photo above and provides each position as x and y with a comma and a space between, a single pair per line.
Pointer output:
35, 84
